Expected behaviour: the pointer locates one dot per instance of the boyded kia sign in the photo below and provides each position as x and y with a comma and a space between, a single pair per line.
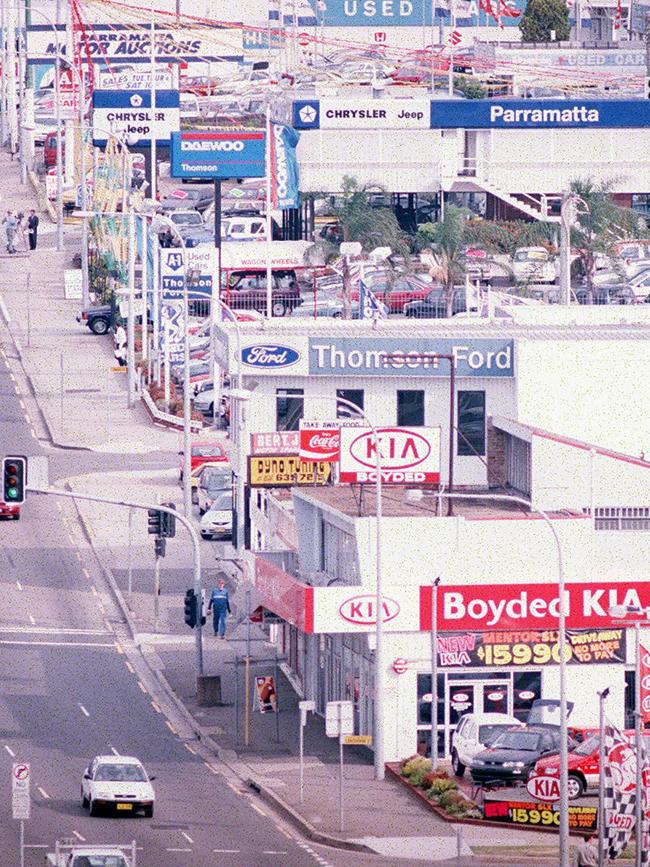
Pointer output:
407, 455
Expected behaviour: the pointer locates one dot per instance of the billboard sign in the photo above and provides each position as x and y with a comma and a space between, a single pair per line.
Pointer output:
539, 113
408, 455
285, 471
410, 13
172, 273
128, 112
202, 260
226, 153
275, 443
131, 43
319, 441
130, 79
340, 609
355, 113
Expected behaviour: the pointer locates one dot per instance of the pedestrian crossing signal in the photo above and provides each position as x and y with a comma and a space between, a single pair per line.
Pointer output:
190, 608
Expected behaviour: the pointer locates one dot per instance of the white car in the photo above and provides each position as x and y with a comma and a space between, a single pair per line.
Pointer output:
474, 733
214, 481
117, 783
217, 521
533, 265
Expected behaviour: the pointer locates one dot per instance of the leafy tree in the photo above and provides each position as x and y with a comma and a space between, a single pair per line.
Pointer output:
599, 223
506, 236
469, 87
542, 16
446, 240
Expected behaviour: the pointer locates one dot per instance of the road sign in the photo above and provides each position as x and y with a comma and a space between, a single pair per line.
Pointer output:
20, 798
400, 665
339, 718
357, 740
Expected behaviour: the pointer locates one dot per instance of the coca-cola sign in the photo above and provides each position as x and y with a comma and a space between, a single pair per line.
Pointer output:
319, 441
407, 455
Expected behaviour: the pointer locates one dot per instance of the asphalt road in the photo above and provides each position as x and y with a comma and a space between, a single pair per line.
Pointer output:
68, 691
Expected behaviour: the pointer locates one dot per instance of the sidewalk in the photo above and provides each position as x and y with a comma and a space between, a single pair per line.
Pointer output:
83, 405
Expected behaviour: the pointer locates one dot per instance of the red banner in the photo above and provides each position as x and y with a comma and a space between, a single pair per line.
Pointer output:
645, 685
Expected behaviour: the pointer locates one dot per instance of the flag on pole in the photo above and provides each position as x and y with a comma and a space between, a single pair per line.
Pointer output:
618, 15
620, 791
370, 307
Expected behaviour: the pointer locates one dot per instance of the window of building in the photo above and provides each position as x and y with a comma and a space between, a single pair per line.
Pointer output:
339, 554
352, 395
290, 407
410, 408
471, 423
641, 204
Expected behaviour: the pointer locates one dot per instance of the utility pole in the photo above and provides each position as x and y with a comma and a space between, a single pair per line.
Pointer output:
12, 115
3, 73
130, 325
565, 247
646, 38
59, 143
22, 119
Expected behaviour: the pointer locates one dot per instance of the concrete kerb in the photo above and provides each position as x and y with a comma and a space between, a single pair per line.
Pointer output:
228, 757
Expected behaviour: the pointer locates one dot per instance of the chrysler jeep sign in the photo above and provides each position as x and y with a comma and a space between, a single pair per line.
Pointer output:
406, 455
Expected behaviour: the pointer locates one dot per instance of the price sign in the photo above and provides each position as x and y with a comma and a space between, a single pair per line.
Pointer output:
539, 815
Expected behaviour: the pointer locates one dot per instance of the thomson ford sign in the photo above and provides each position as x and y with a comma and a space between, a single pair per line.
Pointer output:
232, 153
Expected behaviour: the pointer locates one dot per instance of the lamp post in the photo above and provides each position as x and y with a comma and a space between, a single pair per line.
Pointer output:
638, 617
602, 696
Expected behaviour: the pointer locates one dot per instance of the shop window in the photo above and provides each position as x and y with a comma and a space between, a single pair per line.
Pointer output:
641, 204
471, 423
410, 408
352, 395
424, 699
527, 686
290, 406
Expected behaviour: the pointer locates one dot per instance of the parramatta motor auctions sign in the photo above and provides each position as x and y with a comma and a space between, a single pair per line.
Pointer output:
532, 606
408, 455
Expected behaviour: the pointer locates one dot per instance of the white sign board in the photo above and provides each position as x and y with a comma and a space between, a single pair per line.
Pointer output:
353, 609
72, 280
408, 455
129, 79
20, 797
203, 261
69, 92
173, 325
339, 718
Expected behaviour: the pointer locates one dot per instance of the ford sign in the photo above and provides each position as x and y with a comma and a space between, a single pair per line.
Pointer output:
268, 356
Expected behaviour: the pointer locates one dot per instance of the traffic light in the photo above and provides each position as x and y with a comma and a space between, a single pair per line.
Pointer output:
155, 522
168, 522
190, 608
14, 474
159, 547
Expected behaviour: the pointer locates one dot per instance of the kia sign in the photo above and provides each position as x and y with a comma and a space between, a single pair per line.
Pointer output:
319, 441
341, 609
231, 153
544, 788
530, 606
362, 610
407, 455
128, 112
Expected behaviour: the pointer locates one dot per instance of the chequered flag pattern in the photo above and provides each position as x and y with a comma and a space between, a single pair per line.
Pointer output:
620, 793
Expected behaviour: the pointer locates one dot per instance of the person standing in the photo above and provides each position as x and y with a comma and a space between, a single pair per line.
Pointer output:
587, 851
220, 605
11, 225
32, 229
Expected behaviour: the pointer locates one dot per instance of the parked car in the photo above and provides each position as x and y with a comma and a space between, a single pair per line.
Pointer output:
98, 319
397, 293
199, 369
49, 149
194, 196
118, 783
9, 510
202, 452
217, 521
474, 733
434, 305
619, 294
247, 290
513, 753
213, 481
243, 228
533, 265
204, 402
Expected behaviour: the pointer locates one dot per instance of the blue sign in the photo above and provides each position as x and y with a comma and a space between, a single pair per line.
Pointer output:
306, 114
269, 356
231, 153
358, 356
128, 113
539, 113
284, 167
410, 13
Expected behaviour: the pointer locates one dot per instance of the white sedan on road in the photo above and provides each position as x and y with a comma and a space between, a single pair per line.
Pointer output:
117, 783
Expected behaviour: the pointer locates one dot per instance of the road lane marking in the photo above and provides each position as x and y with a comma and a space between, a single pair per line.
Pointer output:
283, 831
86, 572
157, 708
32, 619
10, 751
113, 750
273, 852
37, 643
190, 749
43, 793
79, 837
83, 710
234, 788
257, 809
19, 585
171, 727
22, 403
187, 836
143, 688
129, 666
172, 849
52, 630
211, 768
93, 590
226, 851
118, 647
78, 556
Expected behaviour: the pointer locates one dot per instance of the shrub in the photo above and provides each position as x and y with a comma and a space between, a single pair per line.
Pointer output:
418, 777
451, 798
439, 787
414, 764
429, 780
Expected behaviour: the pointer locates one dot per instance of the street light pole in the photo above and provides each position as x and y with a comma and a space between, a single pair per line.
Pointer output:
601, 777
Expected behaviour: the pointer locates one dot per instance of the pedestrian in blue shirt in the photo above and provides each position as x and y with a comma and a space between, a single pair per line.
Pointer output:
220, 604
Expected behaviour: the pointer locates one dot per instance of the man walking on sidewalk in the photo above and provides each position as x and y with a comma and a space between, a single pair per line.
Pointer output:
220, 604
32, 229
11, 225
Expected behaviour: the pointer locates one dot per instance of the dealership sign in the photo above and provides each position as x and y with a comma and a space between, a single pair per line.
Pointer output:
540, 815
408, 13
232, 153
407, 455
365, 113
530, 606
539, 114
283, 471
131, 43
319, 441
366, 356
129, 112
267, 358
275, 443
354, 609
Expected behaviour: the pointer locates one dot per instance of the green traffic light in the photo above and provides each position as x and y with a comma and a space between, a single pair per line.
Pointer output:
12, 493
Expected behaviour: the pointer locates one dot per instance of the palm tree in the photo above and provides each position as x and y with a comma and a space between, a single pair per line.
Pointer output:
599, 223
446, 241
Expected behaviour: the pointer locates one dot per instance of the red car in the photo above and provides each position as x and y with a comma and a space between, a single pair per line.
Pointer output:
398, 294
584, 765
9, 510
203, 452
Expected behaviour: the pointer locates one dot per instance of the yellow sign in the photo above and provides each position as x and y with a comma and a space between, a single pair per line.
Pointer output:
357, 740
279, 471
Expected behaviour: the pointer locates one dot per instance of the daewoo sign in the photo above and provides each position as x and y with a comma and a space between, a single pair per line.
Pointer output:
212, 146
406, 455
544, 788
519, 606
224, 153
361, 610
269, 355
